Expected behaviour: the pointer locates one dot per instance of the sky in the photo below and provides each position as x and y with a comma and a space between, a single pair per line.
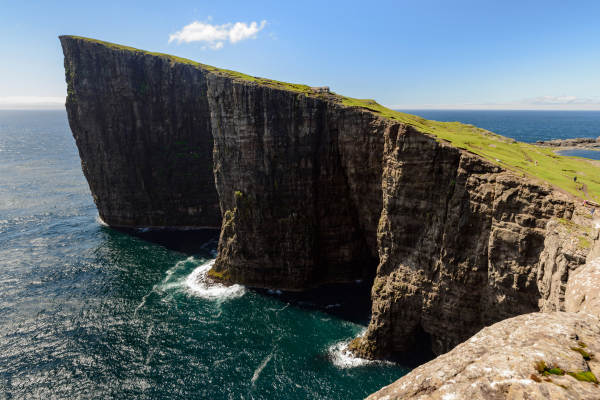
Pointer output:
404, 54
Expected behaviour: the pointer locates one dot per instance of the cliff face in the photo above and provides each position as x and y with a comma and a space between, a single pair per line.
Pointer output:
308, 190
460, 243
299, 180
142, 127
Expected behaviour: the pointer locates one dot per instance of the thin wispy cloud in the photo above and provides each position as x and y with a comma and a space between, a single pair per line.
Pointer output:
565, 99
215, 36
566, 102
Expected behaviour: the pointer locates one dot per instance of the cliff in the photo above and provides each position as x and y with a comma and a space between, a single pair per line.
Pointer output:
312, 187
142, 126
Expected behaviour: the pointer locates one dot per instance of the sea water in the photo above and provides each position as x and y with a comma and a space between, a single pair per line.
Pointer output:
87, 311
524, 126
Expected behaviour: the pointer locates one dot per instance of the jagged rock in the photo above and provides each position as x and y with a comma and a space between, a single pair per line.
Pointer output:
583, 289
512, 359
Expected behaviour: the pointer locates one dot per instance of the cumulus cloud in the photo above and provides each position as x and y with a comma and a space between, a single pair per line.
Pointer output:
215, 35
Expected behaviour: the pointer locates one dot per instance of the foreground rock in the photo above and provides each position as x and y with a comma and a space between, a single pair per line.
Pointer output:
520, 358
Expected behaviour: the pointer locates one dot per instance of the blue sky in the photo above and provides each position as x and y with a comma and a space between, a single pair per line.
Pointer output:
404, 54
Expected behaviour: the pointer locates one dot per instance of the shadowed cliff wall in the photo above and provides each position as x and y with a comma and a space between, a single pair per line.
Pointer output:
142, 127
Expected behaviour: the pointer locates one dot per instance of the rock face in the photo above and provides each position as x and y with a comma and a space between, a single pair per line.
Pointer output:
533, 356
583, 289
299, 180
142, 127
460, 242
307, 191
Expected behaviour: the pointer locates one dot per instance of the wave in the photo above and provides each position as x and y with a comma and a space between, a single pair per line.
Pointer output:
260, 368
99, 220
200, 285
342, 358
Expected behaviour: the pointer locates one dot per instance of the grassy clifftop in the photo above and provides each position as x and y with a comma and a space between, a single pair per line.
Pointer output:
552, 169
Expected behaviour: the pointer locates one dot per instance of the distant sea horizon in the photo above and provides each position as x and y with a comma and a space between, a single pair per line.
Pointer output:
527, 126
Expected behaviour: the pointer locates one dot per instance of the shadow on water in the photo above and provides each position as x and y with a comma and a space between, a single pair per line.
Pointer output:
348, 301
187, 241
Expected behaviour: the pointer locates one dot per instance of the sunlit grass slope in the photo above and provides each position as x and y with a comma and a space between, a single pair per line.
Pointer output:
551, 169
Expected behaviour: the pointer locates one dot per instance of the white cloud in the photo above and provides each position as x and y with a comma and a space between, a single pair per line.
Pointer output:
216, 35
564, 99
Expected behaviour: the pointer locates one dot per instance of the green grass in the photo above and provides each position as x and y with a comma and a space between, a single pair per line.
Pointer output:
552, 169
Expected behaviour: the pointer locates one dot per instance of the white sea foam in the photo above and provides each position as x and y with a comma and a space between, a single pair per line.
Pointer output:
344, 359
262, 366
99, 220
199, 283
274, 291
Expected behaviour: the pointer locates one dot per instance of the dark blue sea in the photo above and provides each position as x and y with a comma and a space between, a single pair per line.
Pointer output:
87, 311
524, 126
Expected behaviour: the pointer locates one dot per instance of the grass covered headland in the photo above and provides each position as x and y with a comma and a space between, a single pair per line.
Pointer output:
551, 169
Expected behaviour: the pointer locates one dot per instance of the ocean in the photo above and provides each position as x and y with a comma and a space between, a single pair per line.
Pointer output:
87, 311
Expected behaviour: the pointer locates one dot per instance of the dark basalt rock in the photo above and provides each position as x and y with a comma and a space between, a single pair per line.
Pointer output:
142, 127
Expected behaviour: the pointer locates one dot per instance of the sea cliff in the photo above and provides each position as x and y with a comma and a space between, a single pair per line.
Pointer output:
309, 187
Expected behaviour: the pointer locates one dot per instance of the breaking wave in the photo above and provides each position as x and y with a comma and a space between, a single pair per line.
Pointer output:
342, 358
199, 283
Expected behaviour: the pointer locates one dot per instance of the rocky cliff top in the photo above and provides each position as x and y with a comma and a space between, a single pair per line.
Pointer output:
551, 169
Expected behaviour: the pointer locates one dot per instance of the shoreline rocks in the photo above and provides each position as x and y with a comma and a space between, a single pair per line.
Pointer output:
572, 144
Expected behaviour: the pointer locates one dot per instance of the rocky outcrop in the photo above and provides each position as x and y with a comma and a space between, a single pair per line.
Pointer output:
460, 242
533, 356
579, 143
142, 126
595, 237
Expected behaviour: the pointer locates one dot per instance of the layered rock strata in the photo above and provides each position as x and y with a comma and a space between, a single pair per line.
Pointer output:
299, 180
142, 126
460, 242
